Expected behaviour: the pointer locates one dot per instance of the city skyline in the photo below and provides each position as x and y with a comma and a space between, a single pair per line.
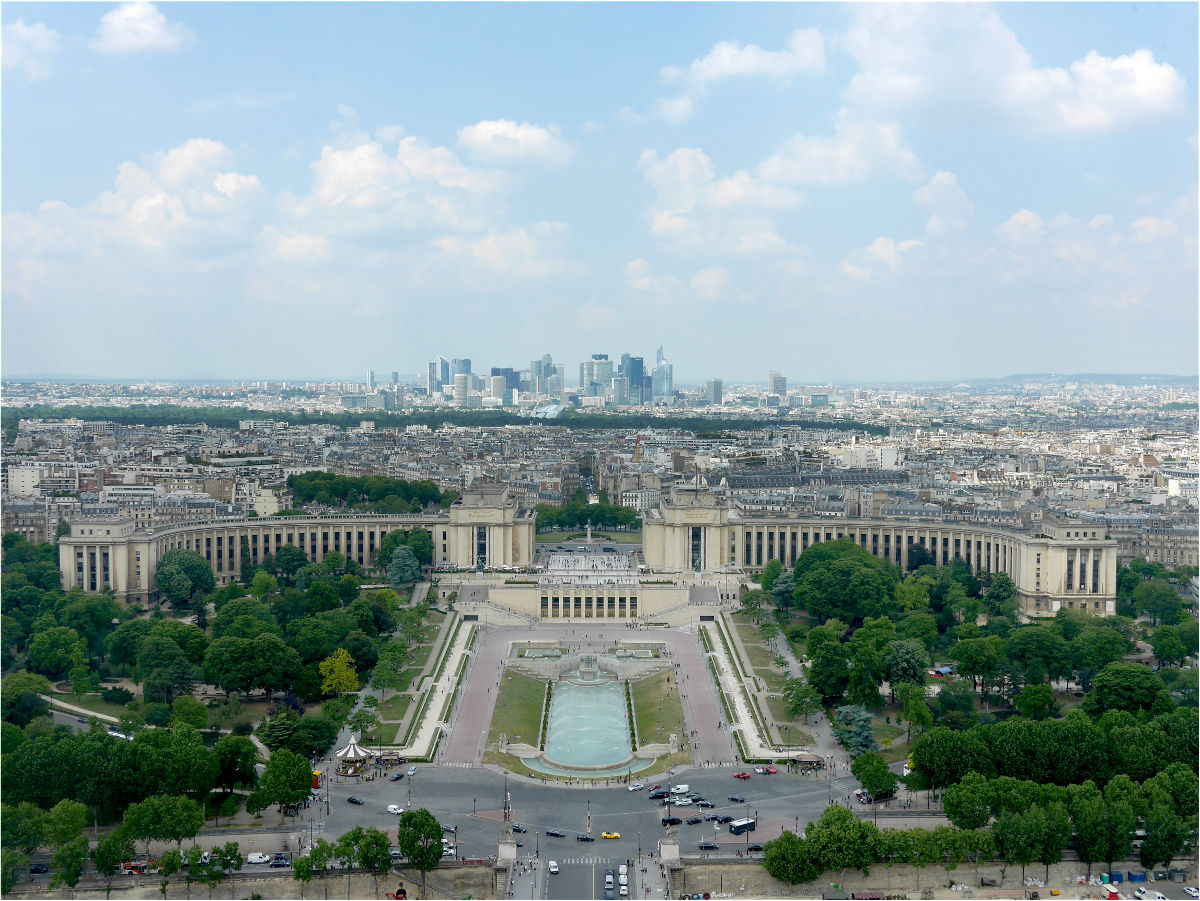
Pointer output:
838, 193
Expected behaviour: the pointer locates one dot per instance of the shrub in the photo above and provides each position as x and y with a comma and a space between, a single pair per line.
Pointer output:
116, 695
242, 729
156, 714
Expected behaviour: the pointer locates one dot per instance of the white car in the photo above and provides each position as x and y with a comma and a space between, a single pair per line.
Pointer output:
680, 789
552, 867
1192, 892
395, 808
256, 857
682, 802
636, 787
412, 771
624, 892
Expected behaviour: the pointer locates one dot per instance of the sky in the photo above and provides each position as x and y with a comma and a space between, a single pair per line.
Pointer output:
841, 192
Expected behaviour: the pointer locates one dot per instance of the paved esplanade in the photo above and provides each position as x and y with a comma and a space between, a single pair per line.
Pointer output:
701, 707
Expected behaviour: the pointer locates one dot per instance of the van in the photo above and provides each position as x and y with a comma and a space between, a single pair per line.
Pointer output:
623, 870
680, 789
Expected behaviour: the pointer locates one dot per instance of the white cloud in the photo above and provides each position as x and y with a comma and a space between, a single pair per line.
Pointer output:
960, 63
30, 47
858, 150
505, 141
712, 283
300, 247
1022, 227
881, 254
137, 26
695, 210
1151, 228
1100, 220
949, 208
639, 276
803, 54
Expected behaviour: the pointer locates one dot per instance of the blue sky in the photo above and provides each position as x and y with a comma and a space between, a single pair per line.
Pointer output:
841, 192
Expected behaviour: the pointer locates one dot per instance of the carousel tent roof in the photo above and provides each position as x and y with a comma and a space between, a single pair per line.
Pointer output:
353, 751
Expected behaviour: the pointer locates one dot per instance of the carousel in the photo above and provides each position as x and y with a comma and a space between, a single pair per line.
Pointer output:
352, 759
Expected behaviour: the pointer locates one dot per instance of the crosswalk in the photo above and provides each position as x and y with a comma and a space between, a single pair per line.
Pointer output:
593, 861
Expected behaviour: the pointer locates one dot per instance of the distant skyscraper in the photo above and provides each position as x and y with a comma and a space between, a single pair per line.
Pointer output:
663, 380
497, 385
595, 375
462, 387
713, 391
443, 371
634, 371
395, 378
459, 367
776, 383
371, 379
619, 391
433, 382
658, 357
511, 377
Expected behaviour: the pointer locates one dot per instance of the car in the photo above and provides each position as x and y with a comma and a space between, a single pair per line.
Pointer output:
520, 844
552, 868
1139, 893
771, 771
623, 891
610, 835
280, 860
725, 819
692, 821
672, 821
709, 846
395, 808
712, 817
517, 827
761, 770
703, 803
448, 827
737, 799
395, 777
636, 787
658, 795
557, 833
683, 802
680, 789
695, 796
741, 775
397, 854
35, 868
1191, 892
584, 837
412, 771
81, 719
257, 857
354, 799
754, 847
655, 788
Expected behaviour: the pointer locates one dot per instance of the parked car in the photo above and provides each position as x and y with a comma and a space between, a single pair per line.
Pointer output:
725, 819
703, 803
671, 821
412, 771
397, 854
37, 868
655, 788
517, 827
552, 867
395, 777
754, 847
280, 860
741, 775
709, 846
395, 808
692, 821
1191, 892
658, 795
771, 771
354, 799
257, 857
636, 786
761, 770
683, 802
737, 799
447, 827
712, 817
557, 833
584, 837
680, 789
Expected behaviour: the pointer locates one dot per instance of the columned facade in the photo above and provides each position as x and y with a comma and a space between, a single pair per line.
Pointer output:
1073, 568
108, 552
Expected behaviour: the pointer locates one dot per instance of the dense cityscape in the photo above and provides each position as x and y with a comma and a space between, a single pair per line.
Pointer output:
576, 451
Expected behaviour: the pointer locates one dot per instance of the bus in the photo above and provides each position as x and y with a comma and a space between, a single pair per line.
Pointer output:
739, 827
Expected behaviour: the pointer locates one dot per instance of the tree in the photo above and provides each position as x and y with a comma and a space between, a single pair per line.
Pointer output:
913, 707
263, 584
164, 818
23, 827
362, 721
302, 872
1126, 686
228, 664
194, 566
968, 802
289, 559
173, 584
1034, 701
374, 853
108, 854
1168, 645
840, 840
65, 821
913, 593
979, 658
1157, 600
1116, 832
790, 859
236, 757
11, 863
905, 662
942, 756
420, 839
54, 651
872, 773
1094, 648
337, 673
1166, 837
403, 567
69, 862
830, 670
164, 668
1039, 652
225, 859
1018, 837
1054, 833
1000, 599
753, 600
801, 698
854, 730
287, 779
274, 663
321, 855
186, 709
170, 862
770, 573
20, 697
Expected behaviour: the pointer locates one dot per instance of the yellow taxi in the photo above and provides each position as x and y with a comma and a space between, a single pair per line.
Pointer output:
610, 835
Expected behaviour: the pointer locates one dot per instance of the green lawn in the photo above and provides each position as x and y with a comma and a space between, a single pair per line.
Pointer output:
773, 680
393, 709
615, 537
93, 703
886, 733
657, 709
518, 709
420, 656
791, 730
758, 655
